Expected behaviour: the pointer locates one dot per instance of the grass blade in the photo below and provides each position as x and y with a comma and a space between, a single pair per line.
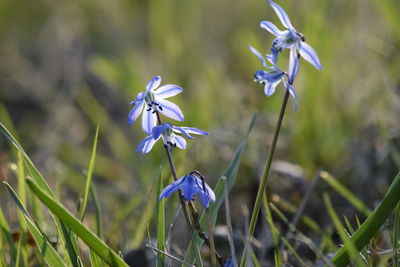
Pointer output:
351, 248
344, 192
94, 242
160, 222
396, 237
372, 224
89, 174
49, 253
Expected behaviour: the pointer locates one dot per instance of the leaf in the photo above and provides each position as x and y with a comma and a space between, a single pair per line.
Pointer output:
87, 236
372, 224
160, 221
49, 253
344, 192
350, 247
89, 174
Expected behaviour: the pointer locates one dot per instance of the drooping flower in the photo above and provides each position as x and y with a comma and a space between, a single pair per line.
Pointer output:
290, 38
274, 75
169, 135
153, 100
190, 185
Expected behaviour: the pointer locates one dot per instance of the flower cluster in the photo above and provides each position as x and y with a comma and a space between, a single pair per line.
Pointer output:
151, 103
287, 39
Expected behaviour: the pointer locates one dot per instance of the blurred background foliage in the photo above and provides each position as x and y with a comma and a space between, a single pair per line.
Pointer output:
66, 65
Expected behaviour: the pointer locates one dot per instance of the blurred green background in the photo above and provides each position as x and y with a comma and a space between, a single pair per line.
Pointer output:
66, 65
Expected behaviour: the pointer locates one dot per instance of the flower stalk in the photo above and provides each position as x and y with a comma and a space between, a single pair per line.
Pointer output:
183, 204
264, 177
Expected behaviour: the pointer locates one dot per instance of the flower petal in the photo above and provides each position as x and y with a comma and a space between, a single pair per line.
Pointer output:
293, 64
293, 93
140, 96
168, 90
192, 130
182, 131
171, 188
146, 145
149, 121
170, 109
269, 26
158, 130
189, 188
135, 112
308, 53
269, 88
180, 142
284, 18
273, 58
258, 54
153, 83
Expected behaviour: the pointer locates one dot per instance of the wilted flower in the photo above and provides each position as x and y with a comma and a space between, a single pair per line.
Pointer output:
273, 76
190, 185
153, 100
168, 133
290, 38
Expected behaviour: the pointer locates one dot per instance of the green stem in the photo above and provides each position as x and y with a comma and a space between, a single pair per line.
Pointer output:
183, 204
264, 177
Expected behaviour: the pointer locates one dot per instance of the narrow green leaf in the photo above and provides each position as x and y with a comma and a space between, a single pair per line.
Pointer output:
49, 253
351, 248
372, 223
396, 236
344, 192
94, 242
89, 174
66, 238
160, 221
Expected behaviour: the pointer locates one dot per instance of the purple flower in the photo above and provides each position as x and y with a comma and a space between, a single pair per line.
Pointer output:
292, 39
273, 76
229, 262
190, 185
153, 100
169, 135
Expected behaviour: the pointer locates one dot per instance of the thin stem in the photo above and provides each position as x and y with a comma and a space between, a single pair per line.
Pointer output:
183, 204
264, 177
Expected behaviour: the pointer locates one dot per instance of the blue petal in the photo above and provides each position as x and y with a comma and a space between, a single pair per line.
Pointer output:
170, 109
149, 121
273, 58
258, 54
269, 88
282, 15
135, 112
191, 130
168, 90
146, 145
171, 188
269, 26
189, 188
180, 142
308, 53
153, 83
293, 64
158, 130
140, 96
293, 93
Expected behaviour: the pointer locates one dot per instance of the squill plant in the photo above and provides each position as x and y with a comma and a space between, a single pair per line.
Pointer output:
271, 78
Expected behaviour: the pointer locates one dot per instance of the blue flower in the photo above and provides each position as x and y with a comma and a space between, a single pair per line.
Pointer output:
229, 262
153, 100
168, 133
292, 39
190, 185
273, 76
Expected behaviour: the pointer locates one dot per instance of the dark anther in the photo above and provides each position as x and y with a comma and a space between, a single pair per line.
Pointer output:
154, 111
160, 107
148, 109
